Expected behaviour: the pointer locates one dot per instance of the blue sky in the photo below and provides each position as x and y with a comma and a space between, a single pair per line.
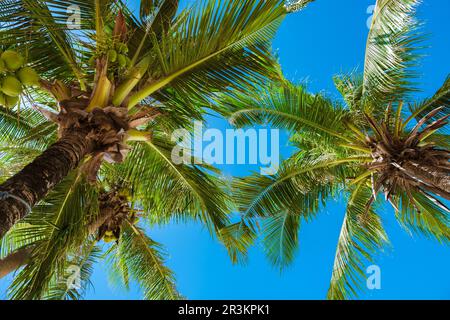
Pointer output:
326, 39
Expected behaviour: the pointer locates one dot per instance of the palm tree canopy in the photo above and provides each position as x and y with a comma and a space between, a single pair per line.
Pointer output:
352, 150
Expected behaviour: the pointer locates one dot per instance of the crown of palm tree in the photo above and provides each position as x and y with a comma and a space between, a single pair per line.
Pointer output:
357, 150
176, 64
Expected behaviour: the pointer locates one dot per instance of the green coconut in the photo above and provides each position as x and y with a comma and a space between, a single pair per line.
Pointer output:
11, 101
2, 99
28, 76
11, 86
122, 60
108, 239
122, 48
112, 55
12, 59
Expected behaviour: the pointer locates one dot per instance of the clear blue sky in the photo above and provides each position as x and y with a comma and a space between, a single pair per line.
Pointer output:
328, 38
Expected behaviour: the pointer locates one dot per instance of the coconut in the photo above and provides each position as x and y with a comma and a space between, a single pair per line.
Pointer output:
112, 55
11, 86
109, 233
122, 48
122, 60
108, 239
12, 59
28, 76
11, 101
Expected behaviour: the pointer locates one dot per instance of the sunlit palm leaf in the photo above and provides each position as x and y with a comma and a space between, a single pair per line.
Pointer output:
350, 87
440, 99
289, 107
182, 192
280, 237
238, 238
144, 261
361, 237
40, 28
78, 271
390, 54
220, 45
422, 216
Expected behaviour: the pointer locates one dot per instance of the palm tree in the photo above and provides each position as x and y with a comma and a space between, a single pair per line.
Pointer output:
66, 229
103, 80
367, 146
81, 115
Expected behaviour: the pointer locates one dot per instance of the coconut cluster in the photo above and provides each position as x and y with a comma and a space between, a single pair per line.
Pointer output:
117, 54
115, 205
14, 76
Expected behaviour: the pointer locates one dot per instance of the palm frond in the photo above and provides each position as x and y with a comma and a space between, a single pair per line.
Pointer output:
280, 237
361, 237
15, 124
160, 13
144, 261
182, 192
75, 282
289, 107
237, 239
40, 28
440, 99
419, 215
219, 46
351, 88
279, 203
302, 183
56, 226
390, 54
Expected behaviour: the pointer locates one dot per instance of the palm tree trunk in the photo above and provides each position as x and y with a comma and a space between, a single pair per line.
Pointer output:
39, 177
14, 261
432, 178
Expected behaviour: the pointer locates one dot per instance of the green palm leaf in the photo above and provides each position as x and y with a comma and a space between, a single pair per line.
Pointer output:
390, 53
41, 29
280, 237
143, 259
219, 45
57, 226
362, 236
440, 99
238, 238
290, 107
182, 192
420, 215
79, 267
280, 202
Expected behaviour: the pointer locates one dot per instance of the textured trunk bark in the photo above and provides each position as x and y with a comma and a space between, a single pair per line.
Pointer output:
14, 261
39, 177
434, 179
